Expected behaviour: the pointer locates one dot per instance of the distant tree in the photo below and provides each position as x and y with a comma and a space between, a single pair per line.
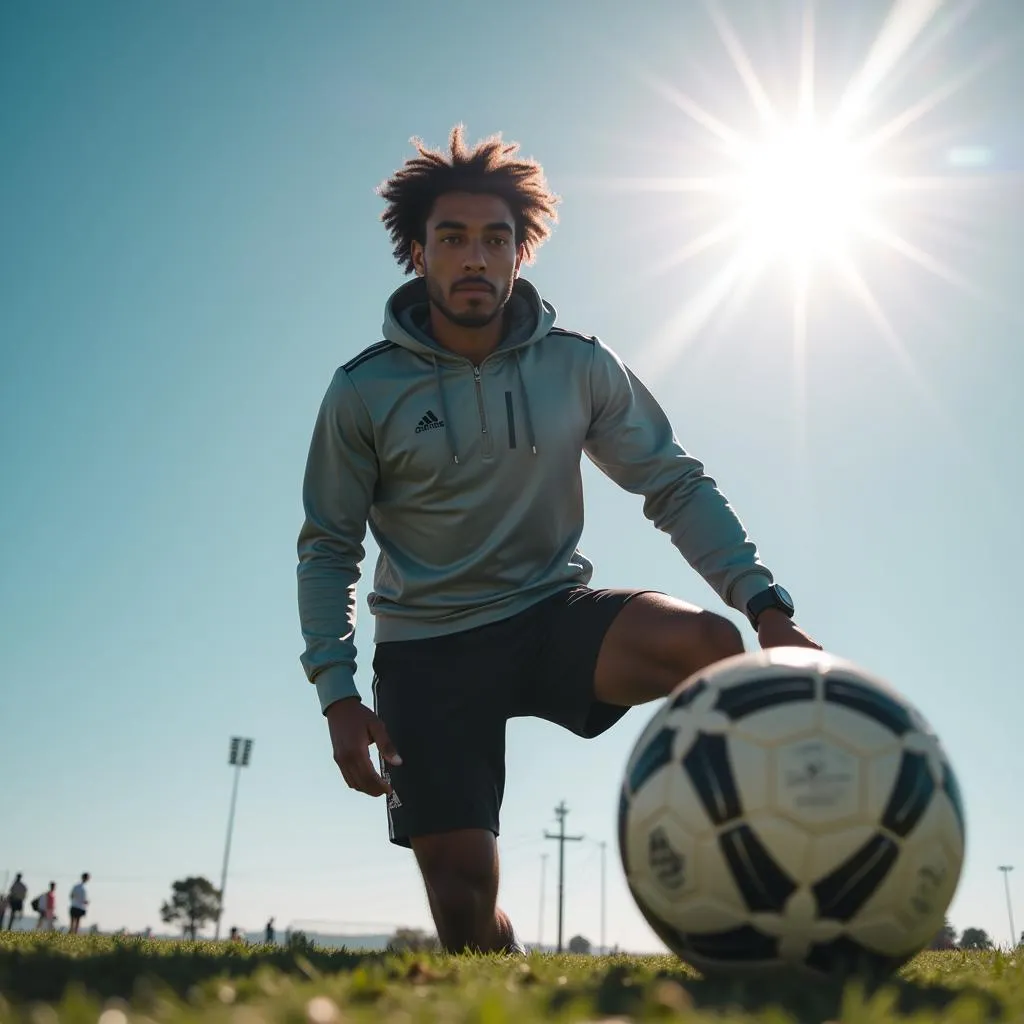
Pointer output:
194, 903
413, 940
975, 938
946, 938
580, 944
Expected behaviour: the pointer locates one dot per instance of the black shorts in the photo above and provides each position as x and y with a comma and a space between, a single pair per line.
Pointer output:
445, 701
77, 913
16, 906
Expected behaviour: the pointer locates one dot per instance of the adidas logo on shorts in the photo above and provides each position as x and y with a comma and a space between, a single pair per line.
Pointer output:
429, 422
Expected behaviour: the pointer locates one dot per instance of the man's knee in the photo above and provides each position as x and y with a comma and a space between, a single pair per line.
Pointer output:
708, 638
717, 637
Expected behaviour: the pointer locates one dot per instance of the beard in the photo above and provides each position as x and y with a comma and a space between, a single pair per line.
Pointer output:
435, 293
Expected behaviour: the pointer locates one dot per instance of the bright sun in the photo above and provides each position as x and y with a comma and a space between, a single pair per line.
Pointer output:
801, 193
807, 183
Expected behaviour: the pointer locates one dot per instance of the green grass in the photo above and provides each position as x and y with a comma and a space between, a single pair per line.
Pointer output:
50, 978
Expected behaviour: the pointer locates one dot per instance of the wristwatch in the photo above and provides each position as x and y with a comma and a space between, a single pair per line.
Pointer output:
774, 597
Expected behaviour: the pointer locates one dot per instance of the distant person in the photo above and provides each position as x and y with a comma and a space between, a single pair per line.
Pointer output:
457, 440
15, 901
235, 936
270, 938
79, 904
46, 907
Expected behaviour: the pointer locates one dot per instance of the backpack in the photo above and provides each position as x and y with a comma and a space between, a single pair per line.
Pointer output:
36, 904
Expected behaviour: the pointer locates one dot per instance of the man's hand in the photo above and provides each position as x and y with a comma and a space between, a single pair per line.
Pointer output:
353, 728
776, 629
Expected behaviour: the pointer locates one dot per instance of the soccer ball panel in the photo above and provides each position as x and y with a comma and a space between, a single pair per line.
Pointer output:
908, 907
865, 735
750, 773
780, 723
872, 700
666, 858
828, 851
881, 775
700, 914
787, 844
817, 783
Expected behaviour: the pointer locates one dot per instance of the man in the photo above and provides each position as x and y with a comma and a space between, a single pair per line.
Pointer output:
79, 904
46, 907
458, 441
15, 901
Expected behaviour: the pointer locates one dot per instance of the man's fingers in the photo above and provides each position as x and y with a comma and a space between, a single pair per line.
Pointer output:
359, 774
384, 744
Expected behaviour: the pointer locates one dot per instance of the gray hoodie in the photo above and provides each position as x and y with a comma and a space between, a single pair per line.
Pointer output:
469, 479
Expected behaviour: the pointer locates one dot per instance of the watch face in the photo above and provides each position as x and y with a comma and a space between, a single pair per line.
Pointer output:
783, 595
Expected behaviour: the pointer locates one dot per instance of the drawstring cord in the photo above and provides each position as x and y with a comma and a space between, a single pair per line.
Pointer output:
531, 437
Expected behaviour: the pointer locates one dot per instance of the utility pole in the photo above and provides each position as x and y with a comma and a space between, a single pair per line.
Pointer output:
238, 755
540, 917
560, 812
1006, 869
604, 948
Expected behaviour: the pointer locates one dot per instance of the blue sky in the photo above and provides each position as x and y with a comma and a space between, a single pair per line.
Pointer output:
192, 245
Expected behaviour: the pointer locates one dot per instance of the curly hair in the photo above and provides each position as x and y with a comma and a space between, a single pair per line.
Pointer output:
488, 168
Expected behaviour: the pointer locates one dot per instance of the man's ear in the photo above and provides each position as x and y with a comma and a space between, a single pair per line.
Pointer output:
419, 262
520, 256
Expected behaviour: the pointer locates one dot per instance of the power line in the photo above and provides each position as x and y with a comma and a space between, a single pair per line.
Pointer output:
561, 838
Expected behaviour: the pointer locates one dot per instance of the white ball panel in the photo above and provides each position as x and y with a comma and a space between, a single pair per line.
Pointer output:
750, 770
780, 723
882, 772
818, 784
701, 915
857, 731
788, 844
827, 852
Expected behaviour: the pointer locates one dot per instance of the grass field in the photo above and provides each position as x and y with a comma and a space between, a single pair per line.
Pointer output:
97, 980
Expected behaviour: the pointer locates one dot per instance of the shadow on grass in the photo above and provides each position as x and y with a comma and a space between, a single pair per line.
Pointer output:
620, 992
44, 973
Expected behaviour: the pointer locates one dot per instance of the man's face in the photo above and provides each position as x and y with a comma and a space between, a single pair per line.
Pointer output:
469, 257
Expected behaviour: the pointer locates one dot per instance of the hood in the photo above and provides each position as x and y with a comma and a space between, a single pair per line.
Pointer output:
407, 313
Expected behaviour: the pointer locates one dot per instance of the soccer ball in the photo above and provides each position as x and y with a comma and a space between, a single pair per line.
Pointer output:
787, 810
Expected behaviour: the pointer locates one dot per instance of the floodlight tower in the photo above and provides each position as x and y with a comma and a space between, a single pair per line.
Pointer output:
1006, 869
238, 756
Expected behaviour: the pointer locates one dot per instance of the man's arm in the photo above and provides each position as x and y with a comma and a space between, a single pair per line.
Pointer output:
337, 491
631, 441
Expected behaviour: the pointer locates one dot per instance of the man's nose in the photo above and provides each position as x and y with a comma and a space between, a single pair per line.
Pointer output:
475, 260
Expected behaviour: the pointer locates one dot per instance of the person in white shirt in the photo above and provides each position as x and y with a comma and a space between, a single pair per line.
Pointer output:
79, 904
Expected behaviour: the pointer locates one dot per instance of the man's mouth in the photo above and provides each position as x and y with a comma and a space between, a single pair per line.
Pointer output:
479, 287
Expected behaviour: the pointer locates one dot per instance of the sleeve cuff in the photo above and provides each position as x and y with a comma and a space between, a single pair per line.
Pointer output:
334, 684
749, 584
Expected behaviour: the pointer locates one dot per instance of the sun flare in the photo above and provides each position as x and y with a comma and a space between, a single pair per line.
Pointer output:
801, 193
816, 185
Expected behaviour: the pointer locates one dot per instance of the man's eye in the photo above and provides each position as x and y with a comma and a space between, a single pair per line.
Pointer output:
450, 239
499, 241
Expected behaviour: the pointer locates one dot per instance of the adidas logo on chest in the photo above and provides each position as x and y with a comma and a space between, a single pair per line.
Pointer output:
429, 422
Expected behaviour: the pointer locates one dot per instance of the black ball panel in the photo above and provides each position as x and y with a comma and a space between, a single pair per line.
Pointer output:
708, 766
744, 699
